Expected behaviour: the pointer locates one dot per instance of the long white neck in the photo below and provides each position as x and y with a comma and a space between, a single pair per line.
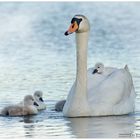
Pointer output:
77, 104
81, 75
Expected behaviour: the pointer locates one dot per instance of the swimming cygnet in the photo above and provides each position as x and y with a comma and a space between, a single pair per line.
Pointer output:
98, 68
27, 108
39, 100
59, 105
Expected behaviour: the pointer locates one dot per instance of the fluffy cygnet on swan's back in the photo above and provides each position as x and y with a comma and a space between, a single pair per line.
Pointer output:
27, 108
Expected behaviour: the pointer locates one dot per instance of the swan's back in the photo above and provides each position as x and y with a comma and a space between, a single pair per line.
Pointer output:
95, 79
111, 92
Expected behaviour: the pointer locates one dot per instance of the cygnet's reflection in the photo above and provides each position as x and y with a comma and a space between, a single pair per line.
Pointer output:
102, 127
29, 126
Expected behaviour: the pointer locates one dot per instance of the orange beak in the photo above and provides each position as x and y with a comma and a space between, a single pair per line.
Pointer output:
73, 27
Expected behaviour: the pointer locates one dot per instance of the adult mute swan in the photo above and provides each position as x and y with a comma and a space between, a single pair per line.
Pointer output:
27, 108
111, 93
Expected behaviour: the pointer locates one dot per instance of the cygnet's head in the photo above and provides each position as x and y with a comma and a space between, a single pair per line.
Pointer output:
29, 100
79, 24
99, 68
38, 96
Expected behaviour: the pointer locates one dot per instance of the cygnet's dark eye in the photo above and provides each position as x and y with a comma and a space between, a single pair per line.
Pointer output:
98, 67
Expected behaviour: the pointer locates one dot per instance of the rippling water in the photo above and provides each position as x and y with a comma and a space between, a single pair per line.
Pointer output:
34, 54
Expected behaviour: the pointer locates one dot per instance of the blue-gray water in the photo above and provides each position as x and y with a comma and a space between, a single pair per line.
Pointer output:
35, 54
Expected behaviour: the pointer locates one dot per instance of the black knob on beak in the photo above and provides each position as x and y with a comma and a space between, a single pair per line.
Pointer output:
95, 71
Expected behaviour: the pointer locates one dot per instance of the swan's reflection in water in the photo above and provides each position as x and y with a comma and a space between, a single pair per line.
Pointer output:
103, 127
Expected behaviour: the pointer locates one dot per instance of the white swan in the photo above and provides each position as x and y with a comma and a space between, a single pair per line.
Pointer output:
38, 96
27, 108
111, 93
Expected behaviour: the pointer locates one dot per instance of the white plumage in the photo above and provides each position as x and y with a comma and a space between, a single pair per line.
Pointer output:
109, 93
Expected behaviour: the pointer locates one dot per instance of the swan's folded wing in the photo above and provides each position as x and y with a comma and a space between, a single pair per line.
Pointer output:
111, 90
93, 80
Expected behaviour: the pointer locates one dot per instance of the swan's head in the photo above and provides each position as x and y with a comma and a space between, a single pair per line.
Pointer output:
29, 100
98, 68
79, 24
38, 96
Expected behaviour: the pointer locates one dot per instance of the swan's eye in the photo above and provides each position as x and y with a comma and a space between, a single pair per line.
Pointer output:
98, 67
73, 26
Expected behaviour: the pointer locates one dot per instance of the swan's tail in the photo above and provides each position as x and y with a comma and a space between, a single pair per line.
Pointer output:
128, 77
126, 68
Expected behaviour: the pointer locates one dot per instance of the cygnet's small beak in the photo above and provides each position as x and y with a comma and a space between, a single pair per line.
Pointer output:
95, 71
41, 99
36, 104
73, 28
